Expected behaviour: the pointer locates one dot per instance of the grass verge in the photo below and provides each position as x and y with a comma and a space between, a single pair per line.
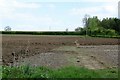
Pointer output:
65, 72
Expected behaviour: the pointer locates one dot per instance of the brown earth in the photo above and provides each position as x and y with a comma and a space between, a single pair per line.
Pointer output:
56, 51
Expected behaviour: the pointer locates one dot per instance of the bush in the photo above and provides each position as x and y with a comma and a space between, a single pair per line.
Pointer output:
111, 32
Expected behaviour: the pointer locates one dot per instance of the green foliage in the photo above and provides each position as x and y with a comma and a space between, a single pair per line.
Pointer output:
111, 32
94, 23
0, 72
40, 33
74, 72
108, 27
65, 72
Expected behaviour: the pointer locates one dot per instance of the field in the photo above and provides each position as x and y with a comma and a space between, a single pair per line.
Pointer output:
60, 51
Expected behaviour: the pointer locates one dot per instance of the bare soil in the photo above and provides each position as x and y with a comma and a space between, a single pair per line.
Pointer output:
58, 51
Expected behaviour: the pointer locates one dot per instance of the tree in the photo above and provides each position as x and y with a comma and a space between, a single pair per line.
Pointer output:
66, 29
93, 25
117, 25
96, 27
7, 28
111, 23
78, 29
85, 22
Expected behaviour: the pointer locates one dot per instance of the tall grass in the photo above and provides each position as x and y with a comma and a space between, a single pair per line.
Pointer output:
0, 71
65, 72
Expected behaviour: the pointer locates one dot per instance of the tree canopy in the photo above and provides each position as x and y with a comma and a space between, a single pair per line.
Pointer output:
94, 26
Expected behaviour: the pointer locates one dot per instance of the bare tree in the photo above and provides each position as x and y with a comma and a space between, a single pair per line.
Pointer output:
85, 22
7, 28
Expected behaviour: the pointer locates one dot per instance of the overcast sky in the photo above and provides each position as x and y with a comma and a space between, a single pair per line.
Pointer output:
53, 15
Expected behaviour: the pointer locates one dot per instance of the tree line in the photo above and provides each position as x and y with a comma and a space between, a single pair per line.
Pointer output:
107, 27
96, 27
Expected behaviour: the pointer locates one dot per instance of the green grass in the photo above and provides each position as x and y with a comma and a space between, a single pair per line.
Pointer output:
0, 72
65, 72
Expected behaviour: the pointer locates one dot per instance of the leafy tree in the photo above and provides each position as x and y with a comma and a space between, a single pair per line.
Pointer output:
117, 25
95, 26
7, 28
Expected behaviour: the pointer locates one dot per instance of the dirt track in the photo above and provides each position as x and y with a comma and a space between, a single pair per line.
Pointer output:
58, 51
95, 57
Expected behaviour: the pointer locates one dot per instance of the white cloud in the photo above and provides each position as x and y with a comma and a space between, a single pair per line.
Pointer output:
100, 1
105, 10
10, 7
22, 20
33, 19
74, 1
7, 6
16, 4
51, 5
8, 11
25, 5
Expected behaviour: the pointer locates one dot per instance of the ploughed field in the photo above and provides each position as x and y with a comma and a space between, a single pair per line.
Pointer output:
59, 51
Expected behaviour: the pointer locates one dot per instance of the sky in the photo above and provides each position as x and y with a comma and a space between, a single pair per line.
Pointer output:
52, 15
